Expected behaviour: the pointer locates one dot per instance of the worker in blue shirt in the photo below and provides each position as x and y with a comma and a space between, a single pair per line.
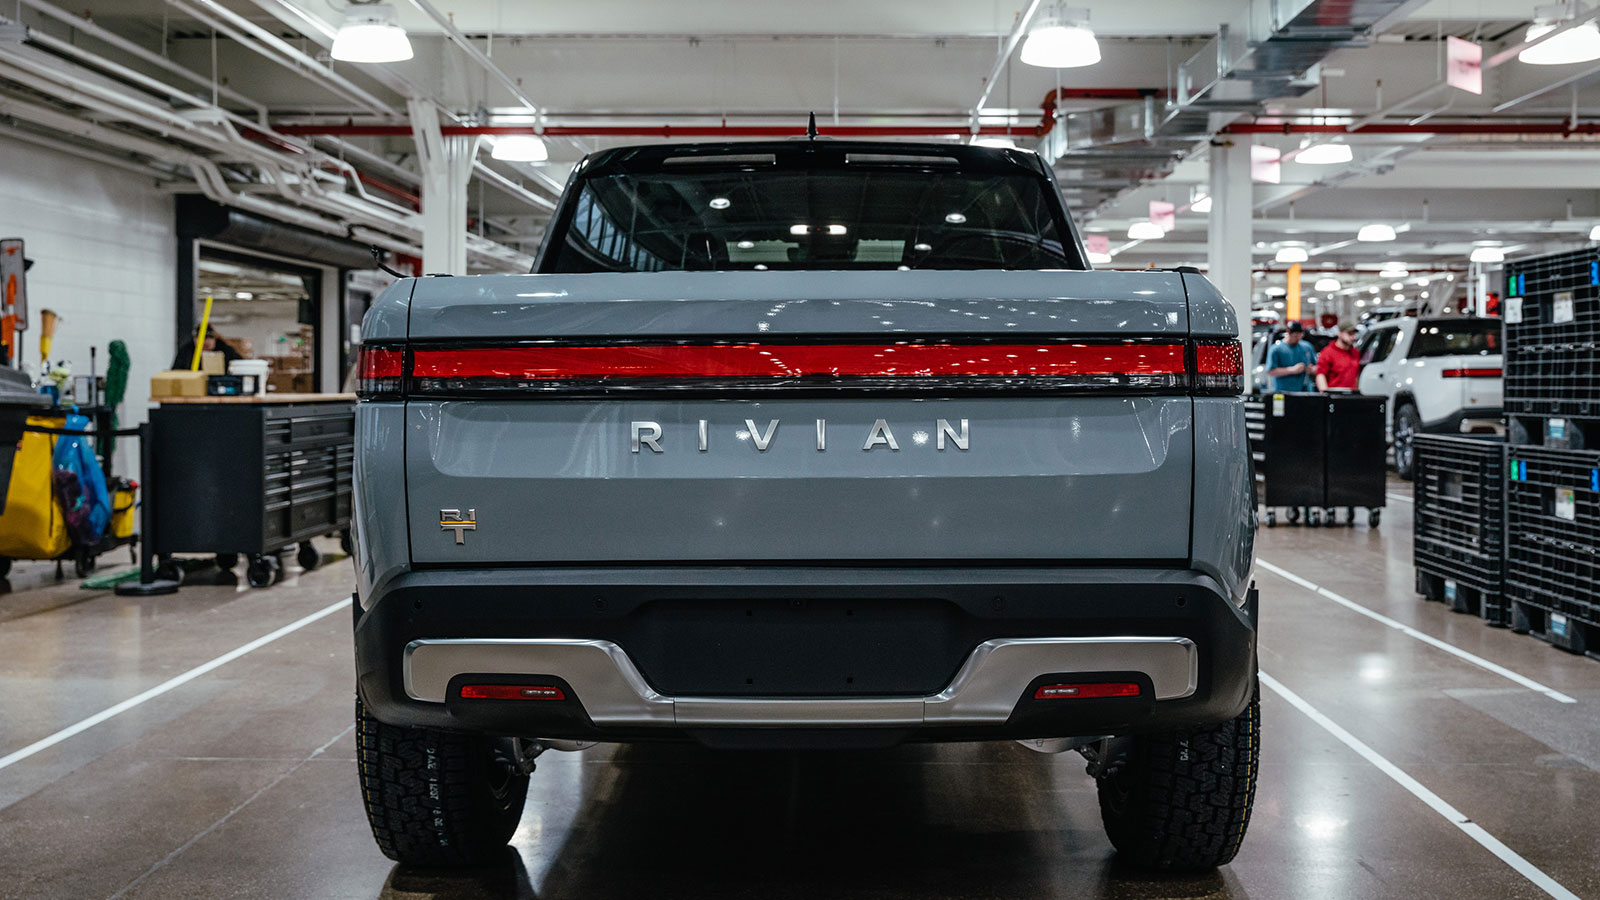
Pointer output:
1291, 361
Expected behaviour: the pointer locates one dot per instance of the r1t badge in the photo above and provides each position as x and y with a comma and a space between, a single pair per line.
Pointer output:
453, 520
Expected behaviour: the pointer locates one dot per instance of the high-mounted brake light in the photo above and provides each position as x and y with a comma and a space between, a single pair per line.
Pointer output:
1471, 373
381, 371
1093, 691
511, 692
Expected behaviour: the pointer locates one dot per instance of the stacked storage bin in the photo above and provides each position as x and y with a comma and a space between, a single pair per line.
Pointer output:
1459, 535
1552, 400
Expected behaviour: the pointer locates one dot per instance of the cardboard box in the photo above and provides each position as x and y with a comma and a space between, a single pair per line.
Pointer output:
178, 383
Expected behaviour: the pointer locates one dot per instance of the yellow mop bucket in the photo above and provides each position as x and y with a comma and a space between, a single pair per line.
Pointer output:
32, 526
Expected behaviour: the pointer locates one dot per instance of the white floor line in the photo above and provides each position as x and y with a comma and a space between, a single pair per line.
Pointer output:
1428, 639
1510, 857
1401, 497
165, 686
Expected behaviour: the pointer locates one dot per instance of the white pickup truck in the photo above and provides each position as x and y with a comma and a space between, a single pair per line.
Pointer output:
1443, 374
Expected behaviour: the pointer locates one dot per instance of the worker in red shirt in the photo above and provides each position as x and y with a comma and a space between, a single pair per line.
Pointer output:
1339, 364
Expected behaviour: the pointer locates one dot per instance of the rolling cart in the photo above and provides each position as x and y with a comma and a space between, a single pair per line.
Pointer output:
251, 476
33, 526
1317, 453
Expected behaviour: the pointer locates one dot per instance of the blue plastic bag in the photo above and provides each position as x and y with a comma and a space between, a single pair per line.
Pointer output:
80, 485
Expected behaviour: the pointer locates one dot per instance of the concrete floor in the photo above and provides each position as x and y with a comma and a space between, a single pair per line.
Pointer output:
241, 782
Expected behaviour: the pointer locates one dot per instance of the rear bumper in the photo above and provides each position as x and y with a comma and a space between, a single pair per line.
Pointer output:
1468, 421
938, 654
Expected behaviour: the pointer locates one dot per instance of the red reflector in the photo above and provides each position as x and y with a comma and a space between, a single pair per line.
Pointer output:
1471, 373
792, 361
1086, 691
511, 692
380, 371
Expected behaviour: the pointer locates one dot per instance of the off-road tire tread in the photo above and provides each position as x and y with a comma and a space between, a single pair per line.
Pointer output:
427, 796
1190, 794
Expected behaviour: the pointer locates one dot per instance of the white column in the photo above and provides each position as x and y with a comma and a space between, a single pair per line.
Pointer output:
1229, 236
446, 167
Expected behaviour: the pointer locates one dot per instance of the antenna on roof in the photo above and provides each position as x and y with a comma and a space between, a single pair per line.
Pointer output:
811, 127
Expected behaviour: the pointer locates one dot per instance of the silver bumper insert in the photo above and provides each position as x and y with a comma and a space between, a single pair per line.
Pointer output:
983, 692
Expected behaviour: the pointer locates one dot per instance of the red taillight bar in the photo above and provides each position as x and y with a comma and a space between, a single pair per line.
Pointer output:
1471, 373
1212, 366
800, 361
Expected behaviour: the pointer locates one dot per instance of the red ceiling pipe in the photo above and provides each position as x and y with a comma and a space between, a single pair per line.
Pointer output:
663, 131
1484, 128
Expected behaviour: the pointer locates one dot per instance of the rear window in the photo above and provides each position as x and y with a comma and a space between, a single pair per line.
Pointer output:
865, 215
1468, 337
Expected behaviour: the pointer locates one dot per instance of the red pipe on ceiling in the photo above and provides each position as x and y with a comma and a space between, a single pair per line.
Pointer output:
663, 131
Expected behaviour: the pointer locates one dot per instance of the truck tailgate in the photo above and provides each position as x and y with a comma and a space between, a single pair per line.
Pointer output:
1041, 478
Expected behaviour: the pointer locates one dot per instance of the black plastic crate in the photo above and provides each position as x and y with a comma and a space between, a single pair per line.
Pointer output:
1553, 542
1553, 367
1459, 534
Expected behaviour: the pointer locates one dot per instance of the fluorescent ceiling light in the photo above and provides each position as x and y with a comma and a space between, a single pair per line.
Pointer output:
1145, 231
1062, 41
520, 148
1329, 154
1276, 291
1291, 255
746, 245
1373, 289
1398, 298
1397, 286
1099, 259
720, 203
1575, 45
371, 33
1327, 284
1203, 205
243, 295
1003, 143
1487, 255
1377, 231
955, 218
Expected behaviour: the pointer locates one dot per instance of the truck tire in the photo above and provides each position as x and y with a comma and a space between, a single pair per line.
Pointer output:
1407, 425
436, 798
1180, 801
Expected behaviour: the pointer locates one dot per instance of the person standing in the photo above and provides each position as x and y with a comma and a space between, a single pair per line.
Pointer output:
1291, 360
1339, 364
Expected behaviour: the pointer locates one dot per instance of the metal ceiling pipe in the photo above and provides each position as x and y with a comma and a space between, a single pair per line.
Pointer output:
276, 49
111, 38
477, 55
1017, 31
1480, 128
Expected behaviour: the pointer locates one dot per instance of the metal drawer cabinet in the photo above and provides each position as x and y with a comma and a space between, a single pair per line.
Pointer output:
237, 478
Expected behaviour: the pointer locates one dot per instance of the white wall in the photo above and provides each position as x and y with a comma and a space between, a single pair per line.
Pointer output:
104, 250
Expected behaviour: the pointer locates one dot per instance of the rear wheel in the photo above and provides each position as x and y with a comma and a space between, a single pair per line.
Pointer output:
437, 798
1180, 801
1407, 425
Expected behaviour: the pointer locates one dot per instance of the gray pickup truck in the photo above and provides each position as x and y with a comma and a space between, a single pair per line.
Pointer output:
805, 444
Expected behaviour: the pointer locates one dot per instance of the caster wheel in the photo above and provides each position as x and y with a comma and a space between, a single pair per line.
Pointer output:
1313, 517
1272, 518
261, 571
169, 570
1293, 515
1373, 517
347, 543
1330, 516
227, 561
308, 556
1350, 517
5, 566
82, 564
